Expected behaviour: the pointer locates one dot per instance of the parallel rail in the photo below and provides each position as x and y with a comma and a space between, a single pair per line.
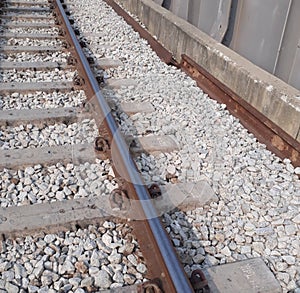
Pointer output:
160, 255
162, 261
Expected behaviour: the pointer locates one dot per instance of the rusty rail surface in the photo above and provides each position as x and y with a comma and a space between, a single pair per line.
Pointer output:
162, 261
266, 131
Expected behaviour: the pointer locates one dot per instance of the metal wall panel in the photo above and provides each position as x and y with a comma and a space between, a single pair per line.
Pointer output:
211, 16
294, 78
287, 67
265, 32
208, 14
180, 8
194, 12
258, 29
220, 24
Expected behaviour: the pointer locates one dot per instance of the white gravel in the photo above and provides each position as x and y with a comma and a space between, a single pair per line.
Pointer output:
42, 100
44, 135
43, 13
8, 21
27, 57
30, 42
55, 75
23, 30
82, 260
36, 1
39, 184
259, 195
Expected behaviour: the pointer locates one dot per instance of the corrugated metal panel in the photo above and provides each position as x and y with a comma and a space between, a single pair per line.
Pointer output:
220, 24
194, 12
258, 30
211, 16
287, 67
294, 78
180, 8
265, 32
208, 14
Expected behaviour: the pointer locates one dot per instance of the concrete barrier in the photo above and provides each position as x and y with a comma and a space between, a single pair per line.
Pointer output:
271, 96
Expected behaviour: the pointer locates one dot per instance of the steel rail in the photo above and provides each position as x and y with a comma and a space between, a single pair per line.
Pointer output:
266, 131
168, 268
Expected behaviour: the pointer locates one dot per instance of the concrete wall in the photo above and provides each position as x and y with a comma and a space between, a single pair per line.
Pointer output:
265, 32
268, 94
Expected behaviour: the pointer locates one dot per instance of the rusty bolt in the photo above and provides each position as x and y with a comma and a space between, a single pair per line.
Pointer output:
78, 80
152, 286
199, 282
71, 60
101, 144
154, 191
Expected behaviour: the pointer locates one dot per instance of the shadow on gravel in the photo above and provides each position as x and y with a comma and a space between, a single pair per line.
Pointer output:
192, 245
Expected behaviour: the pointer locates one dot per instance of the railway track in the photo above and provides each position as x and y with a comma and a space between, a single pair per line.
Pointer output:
36, 147
76, 214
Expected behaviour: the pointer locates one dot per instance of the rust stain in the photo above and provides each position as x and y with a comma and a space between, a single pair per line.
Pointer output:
278, 143
295, 156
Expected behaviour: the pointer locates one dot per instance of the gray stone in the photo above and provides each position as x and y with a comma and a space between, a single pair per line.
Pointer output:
283, 277
87, 282
211, 260
89, 244
290, 260
281, 266
291, 229
176, 242
118, 277
129, 279
20, 271
95, 259
198, 258
32, 289
67, 267
93, 271
102, 279
106, 239
49, 251
115, 258
226, 251
8, 275
171, 169
258, 247
296, 219
67, 287
11, 288
4, 266
75, 282
141, 268
246, 249
132, 259
249, 227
